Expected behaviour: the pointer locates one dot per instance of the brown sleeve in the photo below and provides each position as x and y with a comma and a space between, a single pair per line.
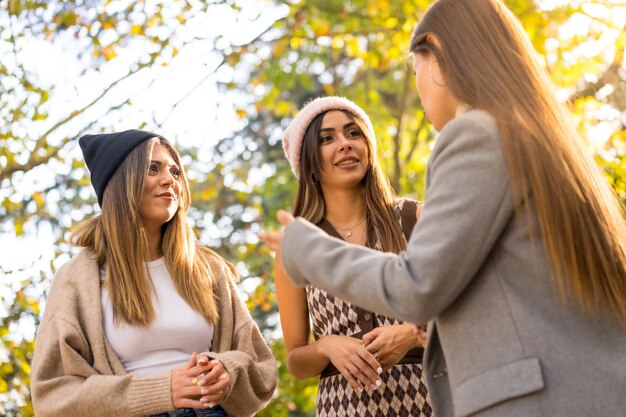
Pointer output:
248, 360
409, 217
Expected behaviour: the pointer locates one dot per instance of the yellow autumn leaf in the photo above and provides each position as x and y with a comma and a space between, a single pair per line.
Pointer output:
337, 42
241, 113
6, 368
34, 305
181, 18
109, 52
153, 21
620, 42
373, 60
321, 30
283, 108
136, 30
352, 45
279, 48
392, 23
19, 228
295, 43
208, 194
38, 197
25, 367
408, 26
372, 8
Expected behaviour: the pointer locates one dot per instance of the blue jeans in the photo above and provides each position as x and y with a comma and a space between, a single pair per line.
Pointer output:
216, 411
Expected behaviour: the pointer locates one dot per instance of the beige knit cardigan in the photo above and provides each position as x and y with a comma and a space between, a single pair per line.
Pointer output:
75, 372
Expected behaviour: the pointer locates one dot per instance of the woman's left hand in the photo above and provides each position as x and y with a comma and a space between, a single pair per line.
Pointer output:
274, 239
389, 344
215, 384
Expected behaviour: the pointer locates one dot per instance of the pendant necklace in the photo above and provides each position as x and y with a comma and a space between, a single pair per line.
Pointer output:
348, 231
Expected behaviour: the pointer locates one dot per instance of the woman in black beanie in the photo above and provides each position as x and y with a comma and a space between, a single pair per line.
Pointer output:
126, 317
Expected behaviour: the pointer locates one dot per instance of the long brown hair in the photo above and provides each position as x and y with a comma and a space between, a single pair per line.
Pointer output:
381, 218
489, 63
119, 240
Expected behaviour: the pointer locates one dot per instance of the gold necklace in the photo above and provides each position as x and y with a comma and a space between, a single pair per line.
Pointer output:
348, 231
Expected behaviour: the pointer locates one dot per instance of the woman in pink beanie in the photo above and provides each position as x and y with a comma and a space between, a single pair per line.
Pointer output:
368, 364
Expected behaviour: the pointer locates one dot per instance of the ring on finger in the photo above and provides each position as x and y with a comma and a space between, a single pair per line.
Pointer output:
194, 381
375, 355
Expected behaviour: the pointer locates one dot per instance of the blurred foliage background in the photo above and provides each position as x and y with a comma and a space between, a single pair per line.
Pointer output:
222, 78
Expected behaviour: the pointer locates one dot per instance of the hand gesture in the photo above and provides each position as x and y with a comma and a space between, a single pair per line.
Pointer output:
185, 391
356, 364
421, 331
389, 344
274, 239
215, 384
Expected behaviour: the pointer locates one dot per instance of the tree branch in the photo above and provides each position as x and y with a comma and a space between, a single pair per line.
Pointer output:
415, 141
400, 113
35, 158
610, 76
188, 93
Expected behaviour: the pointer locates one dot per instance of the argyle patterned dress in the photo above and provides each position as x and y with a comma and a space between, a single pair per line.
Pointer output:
403, 392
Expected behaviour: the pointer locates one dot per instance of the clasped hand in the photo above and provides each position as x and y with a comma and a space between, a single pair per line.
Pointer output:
389, 344
201, 383
352, 360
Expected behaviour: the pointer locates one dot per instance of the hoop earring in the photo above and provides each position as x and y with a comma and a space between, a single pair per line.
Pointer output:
314, 179
430, 71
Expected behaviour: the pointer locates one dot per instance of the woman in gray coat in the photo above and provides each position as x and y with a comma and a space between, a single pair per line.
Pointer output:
519, 256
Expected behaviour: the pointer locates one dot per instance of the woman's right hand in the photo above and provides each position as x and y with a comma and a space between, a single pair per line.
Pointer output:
185, 391
421, 331
274, 239
349, 356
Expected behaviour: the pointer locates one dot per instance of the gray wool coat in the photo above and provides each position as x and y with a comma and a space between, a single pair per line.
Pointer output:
501, 341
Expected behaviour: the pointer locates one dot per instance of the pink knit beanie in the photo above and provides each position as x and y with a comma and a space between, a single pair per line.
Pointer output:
294, 134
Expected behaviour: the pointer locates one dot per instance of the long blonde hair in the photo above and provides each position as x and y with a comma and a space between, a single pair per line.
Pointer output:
119, 240
489, 63
381, 218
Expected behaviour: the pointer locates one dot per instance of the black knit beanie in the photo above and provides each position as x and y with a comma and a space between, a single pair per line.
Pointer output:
105, 152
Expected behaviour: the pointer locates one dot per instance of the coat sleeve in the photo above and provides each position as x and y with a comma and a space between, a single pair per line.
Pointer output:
468, 204
249, 361
64, 381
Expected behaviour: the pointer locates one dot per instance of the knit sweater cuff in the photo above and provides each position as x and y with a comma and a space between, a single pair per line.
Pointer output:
150, 395
232, 365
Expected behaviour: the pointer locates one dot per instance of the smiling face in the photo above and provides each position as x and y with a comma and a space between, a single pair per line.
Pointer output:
161, 193
343, 151
437, 100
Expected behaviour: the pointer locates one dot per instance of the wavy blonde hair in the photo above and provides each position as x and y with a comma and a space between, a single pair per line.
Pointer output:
119, 240
489, 63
